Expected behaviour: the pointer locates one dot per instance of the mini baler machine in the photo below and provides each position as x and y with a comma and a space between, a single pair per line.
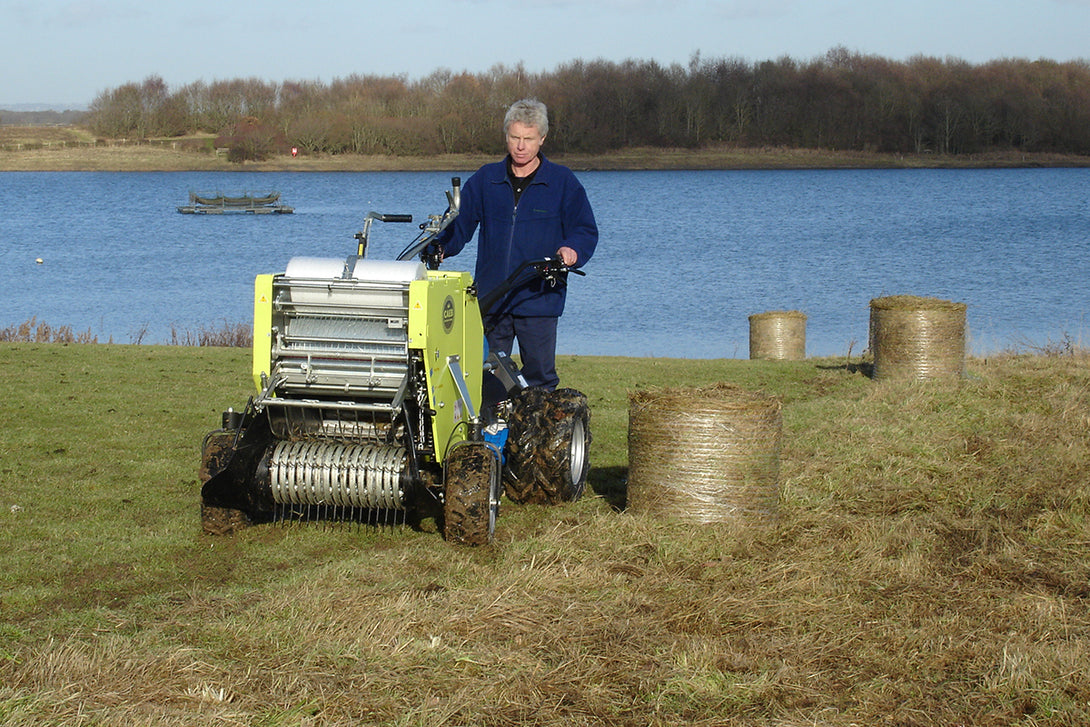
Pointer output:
376, 401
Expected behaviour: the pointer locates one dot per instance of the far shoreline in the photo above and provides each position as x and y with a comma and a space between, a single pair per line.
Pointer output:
160, 157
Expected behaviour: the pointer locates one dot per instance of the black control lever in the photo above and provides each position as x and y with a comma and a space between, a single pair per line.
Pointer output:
551, 269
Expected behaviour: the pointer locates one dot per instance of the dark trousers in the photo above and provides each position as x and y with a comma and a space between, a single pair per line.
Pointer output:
537, 345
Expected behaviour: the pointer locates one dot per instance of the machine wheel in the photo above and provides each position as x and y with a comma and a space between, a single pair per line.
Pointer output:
471, 494
215, 453
547, 447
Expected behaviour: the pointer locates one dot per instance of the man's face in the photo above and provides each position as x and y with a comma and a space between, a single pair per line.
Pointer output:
523, 143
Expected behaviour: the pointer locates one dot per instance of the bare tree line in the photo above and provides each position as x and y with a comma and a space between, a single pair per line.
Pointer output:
43, 117
842, 101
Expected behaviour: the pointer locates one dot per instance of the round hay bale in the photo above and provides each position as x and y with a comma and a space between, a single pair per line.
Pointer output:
921, 338
779, 335
704, 455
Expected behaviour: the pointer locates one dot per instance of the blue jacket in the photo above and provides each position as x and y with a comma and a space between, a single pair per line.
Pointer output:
553, 212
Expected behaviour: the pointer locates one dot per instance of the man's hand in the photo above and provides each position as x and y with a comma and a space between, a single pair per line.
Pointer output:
569, 256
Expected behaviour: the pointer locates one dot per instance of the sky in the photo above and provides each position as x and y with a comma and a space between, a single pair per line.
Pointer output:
63, 53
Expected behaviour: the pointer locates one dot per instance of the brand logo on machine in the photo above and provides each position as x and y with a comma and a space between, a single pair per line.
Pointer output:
448, 314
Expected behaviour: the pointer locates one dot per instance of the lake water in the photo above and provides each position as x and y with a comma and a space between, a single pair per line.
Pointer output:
684, 257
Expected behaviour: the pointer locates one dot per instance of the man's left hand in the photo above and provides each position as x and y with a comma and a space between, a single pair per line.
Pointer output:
569, 256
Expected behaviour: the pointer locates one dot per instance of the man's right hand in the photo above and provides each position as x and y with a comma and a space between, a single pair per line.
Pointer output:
432, 255
569, 256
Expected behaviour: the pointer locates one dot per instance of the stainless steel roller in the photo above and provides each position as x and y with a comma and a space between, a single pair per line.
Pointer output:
337, 474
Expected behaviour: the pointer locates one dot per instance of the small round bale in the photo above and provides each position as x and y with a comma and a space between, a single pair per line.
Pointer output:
778, 335
913, 337
704, 455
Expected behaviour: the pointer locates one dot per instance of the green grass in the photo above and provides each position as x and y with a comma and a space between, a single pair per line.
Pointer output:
930, 565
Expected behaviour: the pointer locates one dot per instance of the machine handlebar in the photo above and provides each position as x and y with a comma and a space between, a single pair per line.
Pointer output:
551, 269
362, 235
423, 246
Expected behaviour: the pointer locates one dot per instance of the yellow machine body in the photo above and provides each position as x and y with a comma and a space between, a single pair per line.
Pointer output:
445, 325
262, 343
440, 327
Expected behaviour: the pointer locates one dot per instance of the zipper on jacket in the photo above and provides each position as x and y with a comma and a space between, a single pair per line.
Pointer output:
511, 235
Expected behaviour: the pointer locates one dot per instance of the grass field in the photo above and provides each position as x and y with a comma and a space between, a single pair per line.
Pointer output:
930, 565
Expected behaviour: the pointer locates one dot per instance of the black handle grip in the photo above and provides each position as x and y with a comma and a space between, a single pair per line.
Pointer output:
395, 218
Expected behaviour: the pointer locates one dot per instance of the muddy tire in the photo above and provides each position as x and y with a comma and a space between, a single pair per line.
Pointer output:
215, 454
548, 447
472, 491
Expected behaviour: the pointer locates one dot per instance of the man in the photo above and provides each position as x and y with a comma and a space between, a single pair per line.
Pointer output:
527, 208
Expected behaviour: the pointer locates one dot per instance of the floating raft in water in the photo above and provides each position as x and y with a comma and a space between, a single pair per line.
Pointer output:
218, 204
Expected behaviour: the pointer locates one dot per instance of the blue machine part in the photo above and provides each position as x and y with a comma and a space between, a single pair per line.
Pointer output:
496, 434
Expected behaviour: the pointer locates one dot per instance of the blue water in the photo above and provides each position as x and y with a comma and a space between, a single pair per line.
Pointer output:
684, 257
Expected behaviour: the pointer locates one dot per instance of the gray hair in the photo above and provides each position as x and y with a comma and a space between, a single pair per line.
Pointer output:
528, 111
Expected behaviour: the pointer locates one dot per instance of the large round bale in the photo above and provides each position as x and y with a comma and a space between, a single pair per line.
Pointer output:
704, 455
913, 337
778, 335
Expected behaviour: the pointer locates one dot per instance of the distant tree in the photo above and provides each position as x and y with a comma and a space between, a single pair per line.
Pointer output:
314, 132
221, 106
300, 99
259, 98
507, 85
153, 96
779, 102
465, 118
117, 114
945, 109
251, 140
586, 97
366, 94
730, 81
366, 135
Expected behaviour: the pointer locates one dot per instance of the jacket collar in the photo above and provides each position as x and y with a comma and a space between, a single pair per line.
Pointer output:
542, 174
